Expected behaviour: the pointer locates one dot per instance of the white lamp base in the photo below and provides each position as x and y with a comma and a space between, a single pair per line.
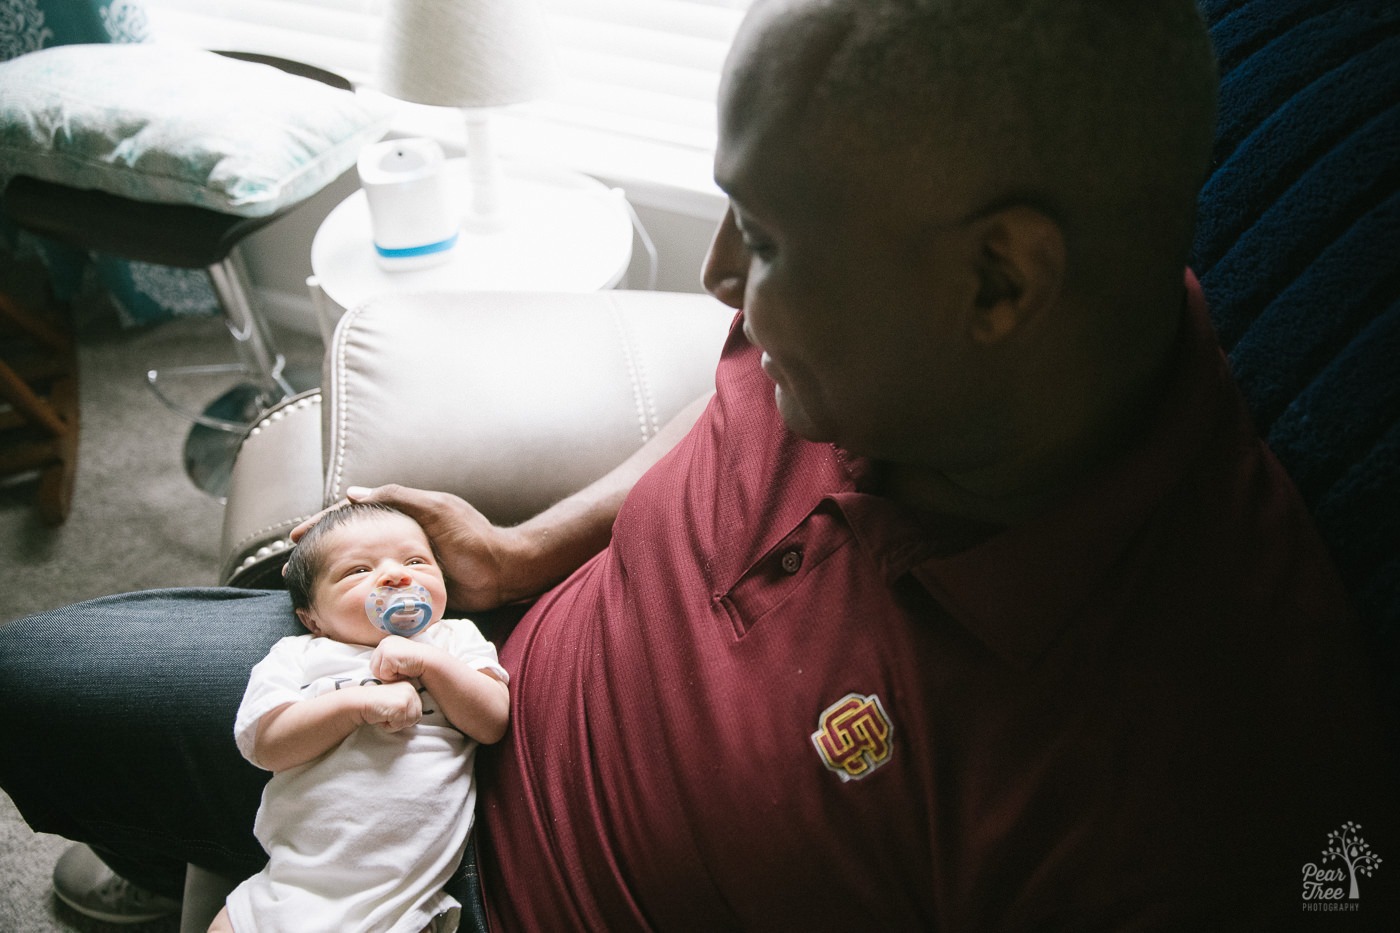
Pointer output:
484, 213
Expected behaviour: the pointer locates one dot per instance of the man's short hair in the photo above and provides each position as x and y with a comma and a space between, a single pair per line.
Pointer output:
1100, 112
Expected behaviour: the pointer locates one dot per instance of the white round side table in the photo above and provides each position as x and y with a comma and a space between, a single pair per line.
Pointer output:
563, 231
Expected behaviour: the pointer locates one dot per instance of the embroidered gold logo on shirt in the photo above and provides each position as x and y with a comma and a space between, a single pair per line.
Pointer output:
854, 736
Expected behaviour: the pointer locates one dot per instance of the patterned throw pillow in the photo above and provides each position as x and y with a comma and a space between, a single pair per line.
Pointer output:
30, 25
176, 125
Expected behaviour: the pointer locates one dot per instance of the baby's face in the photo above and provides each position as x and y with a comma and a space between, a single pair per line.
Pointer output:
367, 553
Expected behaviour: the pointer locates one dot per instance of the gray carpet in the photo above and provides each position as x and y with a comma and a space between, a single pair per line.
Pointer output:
137, 522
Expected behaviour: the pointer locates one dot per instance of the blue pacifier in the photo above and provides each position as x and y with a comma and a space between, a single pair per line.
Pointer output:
400, 610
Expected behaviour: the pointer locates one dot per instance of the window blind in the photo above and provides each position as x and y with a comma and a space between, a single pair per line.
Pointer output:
334, 34
640, 69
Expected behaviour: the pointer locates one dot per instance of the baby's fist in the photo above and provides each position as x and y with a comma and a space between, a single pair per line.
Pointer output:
397, 658
393, 707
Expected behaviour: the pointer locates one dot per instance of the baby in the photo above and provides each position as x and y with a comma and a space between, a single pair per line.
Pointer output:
370, 724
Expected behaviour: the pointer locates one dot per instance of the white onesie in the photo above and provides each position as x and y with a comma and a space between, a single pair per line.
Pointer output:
363, 838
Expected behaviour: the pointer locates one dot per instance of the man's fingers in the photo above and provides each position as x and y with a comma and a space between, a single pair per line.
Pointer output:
421, 505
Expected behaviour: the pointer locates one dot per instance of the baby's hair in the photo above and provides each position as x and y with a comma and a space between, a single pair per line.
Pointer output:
308, 558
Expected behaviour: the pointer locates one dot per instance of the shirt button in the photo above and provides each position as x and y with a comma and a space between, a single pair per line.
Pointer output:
791, 561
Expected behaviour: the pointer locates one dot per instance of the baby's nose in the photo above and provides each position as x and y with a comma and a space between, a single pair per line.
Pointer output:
394, 576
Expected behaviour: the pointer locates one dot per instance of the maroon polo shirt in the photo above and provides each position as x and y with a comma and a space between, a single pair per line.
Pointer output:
781, 701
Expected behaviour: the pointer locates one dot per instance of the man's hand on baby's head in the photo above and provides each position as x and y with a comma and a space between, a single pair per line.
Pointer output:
471, 550
393, 707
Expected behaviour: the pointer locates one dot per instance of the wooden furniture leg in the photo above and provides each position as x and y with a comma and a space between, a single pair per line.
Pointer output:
39, 405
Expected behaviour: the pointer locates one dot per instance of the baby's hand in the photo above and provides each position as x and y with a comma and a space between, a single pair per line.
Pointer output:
393, 707
396, 658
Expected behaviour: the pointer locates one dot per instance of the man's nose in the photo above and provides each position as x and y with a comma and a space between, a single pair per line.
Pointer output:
726, 265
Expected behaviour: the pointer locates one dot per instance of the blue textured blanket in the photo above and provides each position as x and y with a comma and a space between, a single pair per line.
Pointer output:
1298, 249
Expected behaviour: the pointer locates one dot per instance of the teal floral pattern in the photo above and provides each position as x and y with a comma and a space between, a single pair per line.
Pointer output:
162, 289
22, 28
125, 21
140, 295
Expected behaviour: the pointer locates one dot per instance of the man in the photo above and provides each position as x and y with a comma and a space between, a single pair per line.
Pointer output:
970, 601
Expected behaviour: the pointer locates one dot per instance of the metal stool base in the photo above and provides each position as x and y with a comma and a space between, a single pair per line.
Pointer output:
209, 451
211, 446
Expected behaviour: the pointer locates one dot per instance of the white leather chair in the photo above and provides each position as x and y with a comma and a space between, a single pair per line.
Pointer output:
511, 401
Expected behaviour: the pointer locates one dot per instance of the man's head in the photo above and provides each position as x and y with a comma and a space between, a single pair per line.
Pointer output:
350, 552
932, 200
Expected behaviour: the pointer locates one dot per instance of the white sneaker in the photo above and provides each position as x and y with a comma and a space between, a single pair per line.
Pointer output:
85, 883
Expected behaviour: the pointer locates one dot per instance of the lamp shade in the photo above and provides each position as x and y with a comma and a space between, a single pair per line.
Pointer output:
464, 53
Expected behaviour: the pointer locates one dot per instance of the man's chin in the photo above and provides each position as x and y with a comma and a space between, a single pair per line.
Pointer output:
796, 418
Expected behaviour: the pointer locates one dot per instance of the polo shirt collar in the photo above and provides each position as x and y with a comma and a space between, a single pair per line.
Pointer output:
1017, 588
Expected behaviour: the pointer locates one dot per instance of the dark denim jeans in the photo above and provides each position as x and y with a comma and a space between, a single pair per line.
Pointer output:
116, 724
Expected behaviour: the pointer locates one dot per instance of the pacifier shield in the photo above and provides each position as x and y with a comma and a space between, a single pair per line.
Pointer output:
400, 610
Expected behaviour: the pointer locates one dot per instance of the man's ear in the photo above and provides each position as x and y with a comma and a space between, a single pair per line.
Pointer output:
308, 619
1020, 267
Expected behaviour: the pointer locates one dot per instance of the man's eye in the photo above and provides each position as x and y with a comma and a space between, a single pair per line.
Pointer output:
753, 240
763, 249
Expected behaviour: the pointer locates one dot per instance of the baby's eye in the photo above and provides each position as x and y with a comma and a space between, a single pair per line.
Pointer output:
415, 561
356, 570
